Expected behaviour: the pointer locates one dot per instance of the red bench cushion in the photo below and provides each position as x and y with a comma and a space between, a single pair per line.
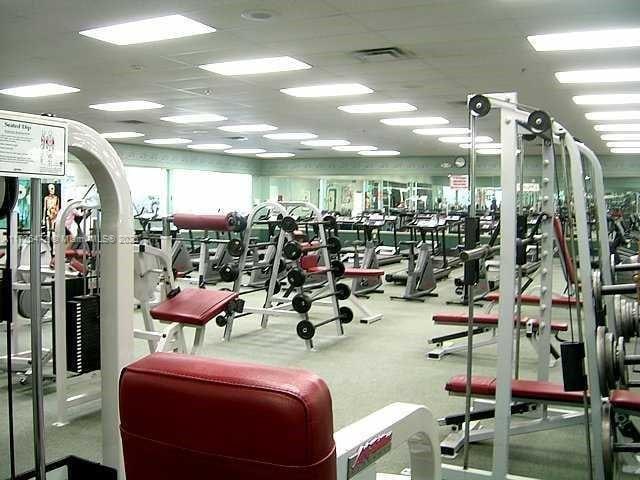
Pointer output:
195, 306
488, 320
192, 221
523, 389
625, 400
189, 418
363, 272
557, 301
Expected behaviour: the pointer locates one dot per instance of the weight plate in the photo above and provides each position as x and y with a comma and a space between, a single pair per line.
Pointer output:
221, 321
346, 314
337, 267
539, 121
330, 222
334, 246
611, 360
235, 247
292, 251
296, 277
288, 224
301, 303
480, 105
305, 330
229, 273
621, 353
342, 291
602, 360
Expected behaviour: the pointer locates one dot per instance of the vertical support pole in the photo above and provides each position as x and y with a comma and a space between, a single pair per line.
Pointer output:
36, 331
547, 197
508, 136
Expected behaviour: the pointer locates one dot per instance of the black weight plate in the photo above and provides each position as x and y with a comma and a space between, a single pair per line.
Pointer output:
334, 246
480, 105
330, 222
296, 277
342, 291
346, 314
221, 321
301, 303
292, 251
305, 330
235, 247
229, 273
337, 267
289, 224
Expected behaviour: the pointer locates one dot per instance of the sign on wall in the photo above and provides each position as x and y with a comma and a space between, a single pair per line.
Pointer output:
32, 147
459, 182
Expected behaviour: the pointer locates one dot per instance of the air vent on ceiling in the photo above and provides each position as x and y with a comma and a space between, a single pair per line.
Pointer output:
237, 138
383, 54
132, 122
304, 149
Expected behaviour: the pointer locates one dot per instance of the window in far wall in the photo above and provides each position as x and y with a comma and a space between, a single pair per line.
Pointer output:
197, 191
148, 189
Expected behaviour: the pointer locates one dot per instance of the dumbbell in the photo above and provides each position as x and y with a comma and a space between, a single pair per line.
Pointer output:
230, 273
612, 360
302, 302
306, 330
293, 250
221, 320
290, 224
298, 277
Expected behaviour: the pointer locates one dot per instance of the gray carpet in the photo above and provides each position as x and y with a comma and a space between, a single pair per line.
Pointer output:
368, 368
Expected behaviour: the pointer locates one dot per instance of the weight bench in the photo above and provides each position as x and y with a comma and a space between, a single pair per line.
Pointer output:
561, 301
526, 396
484, 323
191, 307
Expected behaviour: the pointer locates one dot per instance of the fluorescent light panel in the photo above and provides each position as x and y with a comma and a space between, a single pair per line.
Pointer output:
290, 136
482, 145
623, 144
608, 99
378, 108
379, 153
245, 151
330, 90
276, 155
460, 140
617, 115
615, 38
620, 136
325, 143
606, 75
256, 66
618, 127
126, 106
441, 131
414, 121
149, 30
489, 151
194, 118
168, 141
39, 90
354, 148
209, 146
259, 127
119, 135
625, 150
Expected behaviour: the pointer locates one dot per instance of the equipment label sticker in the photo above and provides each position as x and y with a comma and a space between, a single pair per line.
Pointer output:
36, 149
368, 453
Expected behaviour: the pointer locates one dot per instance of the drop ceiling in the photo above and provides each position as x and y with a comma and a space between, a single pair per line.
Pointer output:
456, 47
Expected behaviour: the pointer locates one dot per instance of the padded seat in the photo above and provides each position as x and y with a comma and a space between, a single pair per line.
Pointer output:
363, 272
527, 299
625, 400
309, 246
194, 306
77, 252
548, 392
489, 320
189, 418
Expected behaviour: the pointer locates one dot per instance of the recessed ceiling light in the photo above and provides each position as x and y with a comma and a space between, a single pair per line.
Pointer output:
606, 75
117, 135
149, 30
276, 155
245, 151
617, 38
126, 106
290, 136
378, 108
379, 153
482, 145
625, 150
209, 146
414, 121
258, 127
194, 118
441, 131
618, 115
459, 140
325, 143
615, 137
624, 144
608, 99
354, 148
256, 66
489, 151
618, 127
168, 141
332, 90
39, 90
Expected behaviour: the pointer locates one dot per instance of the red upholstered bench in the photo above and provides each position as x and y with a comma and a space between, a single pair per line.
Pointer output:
625, 400
527, 299
234, 421
488, 320
547, 392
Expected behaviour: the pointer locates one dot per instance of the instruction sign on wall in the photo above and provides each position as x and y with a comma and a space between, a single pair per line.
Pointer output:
459, 182
32, 147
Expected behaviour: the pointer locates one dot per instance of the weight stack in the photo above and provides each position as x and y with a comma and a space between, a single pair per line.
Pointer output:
83, 334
